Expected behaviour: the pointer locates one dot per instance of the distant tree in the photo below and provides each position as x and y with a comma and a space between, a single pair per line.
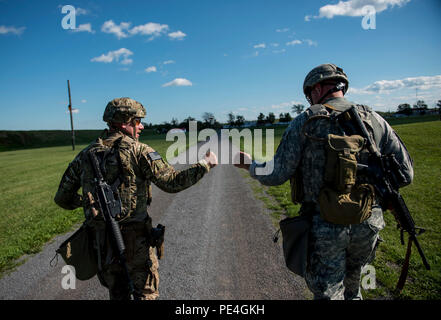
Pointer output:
439, 108
420, 104
271, 118
285, 117
281, 117
298, 108
174, 122
186, 122
231, 119
208, 118
240, 120
404, 108
209, 121
261, 119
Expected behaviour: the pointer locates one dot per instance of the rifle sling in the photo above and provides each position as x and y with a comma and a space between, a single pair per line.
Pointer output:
405, 268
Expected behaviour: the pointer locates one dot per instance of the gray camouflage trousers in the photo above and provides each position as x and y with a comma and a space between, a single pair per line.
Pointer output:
337, 254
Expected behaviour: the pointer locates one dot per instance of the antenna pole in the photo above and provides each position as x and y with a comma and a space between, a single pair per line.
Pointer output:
71, 119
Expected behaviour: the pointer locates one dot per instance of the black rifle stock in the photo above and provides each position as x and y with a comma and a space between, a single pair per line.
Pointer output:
110, 208
384, 170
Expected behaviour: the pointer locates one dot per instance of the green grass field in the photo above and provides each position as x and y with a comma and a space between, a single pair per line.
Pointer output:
423, 140
29, 179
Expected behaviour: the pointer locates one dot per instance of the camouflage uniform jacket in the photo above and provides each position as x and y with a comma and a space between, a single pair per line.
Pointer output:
139, 166
298, 154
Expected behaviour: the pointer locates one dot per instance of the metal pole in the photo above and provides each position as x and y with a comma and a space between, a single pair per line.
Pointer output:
71, 119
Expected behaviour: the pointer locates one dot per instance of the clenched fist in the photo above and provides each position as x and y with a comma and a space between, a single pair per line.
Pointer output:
211, 159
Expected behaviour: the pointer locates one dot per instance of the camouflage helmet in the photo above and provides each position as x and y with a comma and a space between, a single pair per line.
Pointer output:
122, 110
324, 72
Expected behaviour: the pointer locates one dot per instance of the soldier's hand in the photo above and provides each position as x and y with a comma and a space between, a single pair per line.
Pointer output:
211, 159
243, 160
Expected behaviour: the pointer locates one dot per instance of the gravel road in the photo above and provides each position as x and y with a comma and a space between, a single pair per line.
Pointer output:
218, 245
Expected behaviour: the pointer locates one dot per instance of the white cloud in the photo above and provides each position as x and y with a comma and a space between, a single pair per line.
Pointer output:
83, 101
118, 30
81, 11
115, 56
149, 29
259, 46
386, 86
310, 42
87, 27
355, 8
178, 35
168, 62
282, 30
13, 30
126, 61
279, 51
74, 110
293, 43
274, 44
150, 69
178, 82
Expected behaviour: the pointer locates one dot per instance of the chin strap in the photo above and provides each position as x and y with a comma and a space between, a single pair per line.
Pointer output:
339, 87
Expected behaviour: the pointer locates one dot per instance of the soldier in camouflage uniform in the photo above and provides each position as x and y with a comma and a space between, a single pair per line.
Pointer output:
132, 165
336, 252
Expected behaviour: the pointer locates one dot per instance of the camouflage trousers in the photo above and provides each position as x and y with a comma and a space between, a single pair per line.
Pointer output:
337, 254
143, 270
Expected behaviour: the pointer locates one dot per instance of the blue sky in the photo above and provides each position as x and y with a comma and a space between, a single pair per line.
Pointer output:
184, 58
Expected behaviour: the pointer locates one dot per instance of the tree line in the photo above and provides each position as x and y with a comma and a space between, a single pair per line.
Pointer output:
210, 121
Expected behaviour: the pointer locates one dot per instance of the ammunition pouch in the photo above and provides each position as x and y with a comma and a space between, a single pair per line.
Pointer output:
295, 233
156, 239
78, 251
341, 200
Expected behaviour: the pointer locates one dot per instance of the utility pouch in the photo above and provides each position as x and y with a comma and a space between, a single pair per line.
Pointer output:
157, 239
341, 200
78, 252
346, 208
341, 161
295, 233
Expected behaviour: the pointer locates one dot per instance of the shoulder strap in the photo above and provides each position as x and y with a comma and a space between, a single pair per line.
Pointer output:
330, 107
113, 146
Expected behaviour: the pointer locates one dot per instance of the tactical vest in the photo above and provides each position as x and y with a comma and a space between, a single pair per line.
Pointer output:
116, 158
344, 197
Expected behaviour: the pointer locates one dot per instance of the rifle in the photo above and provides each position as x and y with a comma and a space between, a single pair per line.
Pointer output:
110, 208
384, 170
